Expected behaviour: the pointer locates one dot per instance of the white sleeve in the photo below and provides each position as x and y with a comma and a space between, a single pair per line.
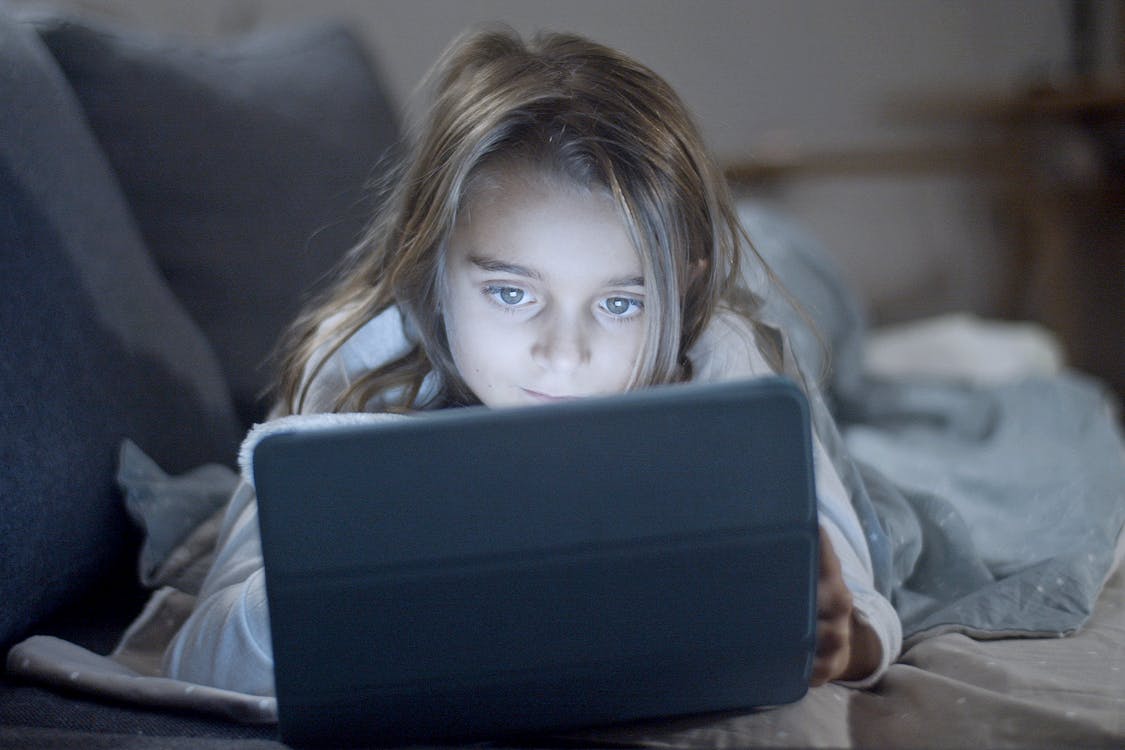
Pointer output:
840, 522
225, 642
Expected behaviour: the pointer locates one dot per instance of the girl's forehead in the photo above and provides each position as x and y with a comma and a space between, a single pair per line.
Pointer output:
503, 200
543, 225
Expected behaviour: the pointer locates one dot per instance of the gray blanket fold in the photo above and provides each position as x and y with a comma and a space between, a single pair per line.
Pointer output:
1002, 504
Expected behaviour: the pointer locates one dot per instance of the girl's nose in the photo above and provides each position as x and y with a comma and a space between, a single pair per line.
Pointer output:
562, 345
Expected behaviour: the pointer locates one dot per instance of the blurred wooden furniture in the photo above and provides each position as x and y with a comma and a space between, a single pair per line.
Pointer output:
1063, 188
1055, 160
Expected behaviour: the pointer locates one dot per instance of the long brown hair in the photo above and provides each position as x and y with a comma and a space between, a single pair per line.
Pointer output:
572, 109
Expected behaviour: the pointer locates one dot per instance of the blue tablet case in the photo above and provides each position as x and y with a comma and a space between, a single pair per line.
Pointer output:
474, 573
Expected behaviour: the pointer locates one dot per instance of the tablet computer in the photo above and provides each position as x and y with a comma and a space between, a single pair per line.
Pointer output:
472, 573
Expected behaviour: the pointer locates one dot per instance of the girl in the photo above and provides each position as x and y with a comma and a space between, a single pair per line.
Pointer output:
556, 231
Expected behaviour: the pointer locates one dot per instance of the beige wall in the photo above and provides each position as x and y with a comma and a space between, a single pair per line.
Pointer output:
761, 75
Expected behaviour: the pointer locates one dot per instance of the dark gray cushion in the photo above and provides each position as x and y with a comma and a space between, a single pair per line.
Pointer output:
244, 163
95, 349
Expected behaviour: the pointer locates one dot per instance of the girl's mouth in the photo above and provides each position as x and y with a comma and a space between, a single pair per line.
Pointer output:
546, 397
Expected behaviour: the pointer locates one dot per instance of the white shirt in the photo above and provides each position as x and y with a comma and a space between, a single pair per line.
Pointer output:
226, 641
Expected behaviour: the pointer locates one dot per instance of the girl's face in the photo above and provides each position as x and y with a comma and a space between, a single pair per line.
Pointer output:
544, 295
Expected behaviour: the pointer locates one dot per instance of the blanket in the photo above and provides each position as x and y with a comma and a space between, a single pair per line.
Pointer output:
997, 476
1002, 503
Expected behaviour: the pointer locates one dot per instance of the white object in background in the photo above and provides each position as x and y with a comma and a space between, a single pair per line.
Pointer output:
962, 346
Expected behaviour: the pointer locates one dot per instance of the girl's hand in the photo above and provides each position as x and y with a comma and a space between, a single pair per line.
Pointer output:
846, 646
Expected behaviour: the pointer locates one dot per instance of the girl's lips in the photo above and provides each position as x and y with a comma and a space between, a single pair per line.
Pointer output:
547, 397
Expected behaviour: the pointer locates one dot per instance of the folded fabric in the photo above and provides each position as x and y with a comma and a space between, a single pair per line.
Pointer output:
127, 675
170, 510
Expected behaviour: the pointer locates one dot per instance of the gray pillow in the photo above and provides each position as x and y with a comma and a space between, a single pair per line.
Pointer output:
95, 348
244, 161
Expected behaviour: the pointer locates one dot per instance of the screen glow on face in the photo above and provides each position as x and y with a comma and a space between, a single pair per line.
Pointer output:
544, 294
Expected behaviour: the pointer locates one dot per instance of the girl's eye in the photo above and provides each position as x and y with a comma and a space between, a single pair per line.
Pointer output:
510, 295
507, 296
623, 307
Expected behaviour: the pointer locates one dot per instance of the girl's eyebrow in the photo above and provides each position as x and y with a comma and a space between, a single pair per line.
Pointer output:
498, 266
627, 281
